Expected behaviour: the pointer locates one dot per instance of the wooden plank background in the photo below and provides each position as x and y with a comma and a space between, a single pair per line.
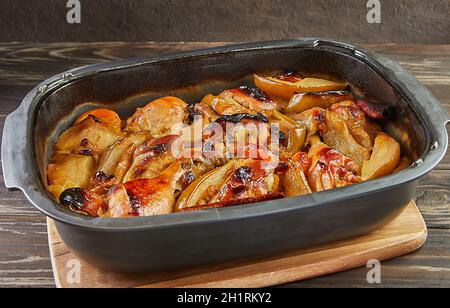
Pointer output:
24, 256
402, 21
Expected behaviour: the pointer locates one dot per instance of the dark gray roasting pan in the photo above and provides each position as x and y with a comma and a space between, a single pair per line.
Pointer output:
219, 235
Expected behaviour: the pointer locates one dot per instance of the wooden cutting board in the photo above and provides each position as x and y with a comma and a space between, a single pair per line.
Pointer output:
405, 234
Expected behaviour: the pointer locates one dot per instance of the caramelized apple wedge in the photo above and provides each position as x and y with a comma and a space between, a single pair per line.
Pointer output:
304, 101
68, 171
110, 159
314, 139
288, 87
204, 188
294, 181
384, 159
296, 139
285, 120
294, 133
319, 85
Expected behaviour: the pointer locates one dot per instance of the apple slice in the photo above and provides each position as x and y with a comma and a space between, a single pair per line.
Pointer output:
202, 189
296, 139
110, 158
304, 101
87, 137
286, 89
384, 159
68, 171
294, 181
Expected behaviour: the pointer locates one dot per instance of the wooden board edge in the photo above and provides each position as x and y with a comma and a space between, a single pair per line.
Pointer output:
400, 245
56, 274
293, 274
405, 244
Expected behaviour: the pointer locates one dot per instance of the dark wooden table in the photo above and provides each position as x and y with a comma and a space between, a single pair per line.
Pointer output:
24, 255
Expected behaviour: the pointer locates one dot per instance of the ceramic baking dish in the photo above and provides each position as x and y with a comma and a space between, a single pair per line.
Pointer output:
218, 235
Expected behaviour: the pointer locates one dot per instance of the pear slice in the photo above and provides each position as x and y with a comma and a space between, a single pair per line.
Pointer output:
384, 159
287, 89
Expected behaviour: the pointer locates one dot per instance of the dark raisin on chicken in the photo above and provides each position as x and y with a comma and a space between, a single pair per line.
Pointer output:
243, 174
255, 93
282, 137
73, 198
282, 167
82, 201
238, 118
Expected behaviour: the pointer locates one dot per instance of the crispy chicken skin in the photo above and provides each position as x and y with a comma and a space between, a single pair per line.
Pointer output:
141, 197
252, 180
225, 104
159, 117
205, 108
155, 196
151, 158
250, 98
294, 180
237, 142
173, 156
330, 169
313, 119
361, 130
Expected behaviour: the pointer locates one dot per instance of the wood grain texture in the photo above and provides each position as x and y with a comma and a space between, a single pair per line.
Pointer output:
404, 235
24, 256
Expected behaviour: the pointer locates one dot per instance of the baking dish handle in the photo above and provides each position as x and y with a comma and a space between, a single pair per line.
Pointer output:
14, 149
